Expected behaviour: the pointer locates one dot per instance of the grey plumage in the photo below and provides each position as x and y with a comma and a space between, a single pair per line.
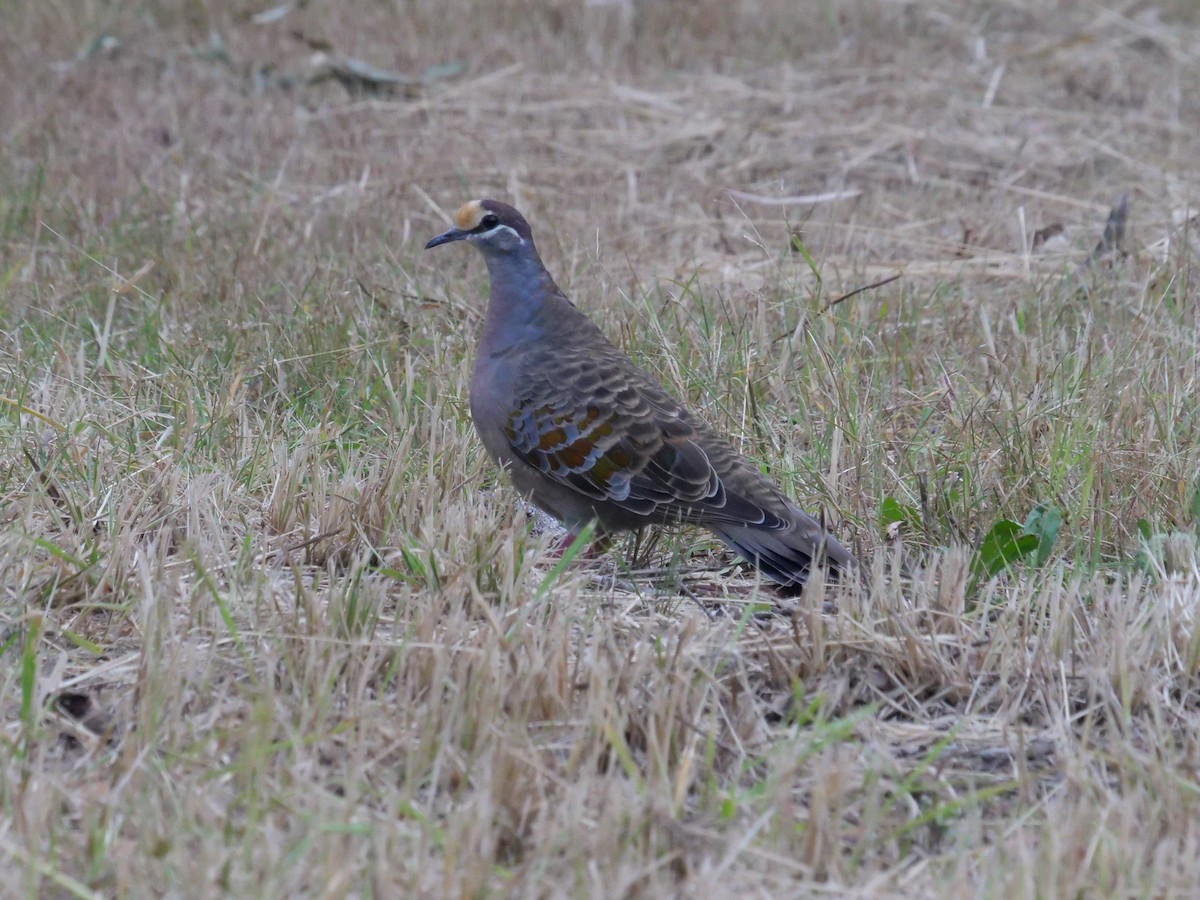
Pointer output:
586, 434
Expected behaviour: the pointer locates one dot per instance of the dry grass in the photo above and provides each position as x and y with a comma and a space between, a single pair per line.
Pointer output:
266, 633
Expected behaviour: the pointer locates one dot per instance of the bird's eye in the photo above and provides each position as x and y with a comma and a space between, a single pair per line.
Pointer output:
489, 221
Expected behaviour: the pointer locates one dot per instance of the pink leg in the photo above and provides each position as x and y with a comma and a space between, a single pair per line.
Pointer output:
594, 550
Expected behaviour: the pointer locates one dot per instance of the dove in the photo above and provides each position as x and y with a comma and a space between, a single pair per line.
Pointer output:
587, 435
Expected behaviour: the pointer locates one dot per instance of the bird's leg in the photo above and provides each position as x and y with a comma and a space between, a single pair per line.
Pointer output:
594, 550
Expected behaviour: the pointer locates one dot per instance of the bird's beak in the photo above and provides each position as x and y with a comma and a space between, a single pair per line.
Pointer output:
453, 234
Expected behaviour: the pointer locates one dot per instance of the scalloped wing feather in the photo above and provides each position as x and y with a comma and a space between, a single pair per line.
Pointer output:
602, 427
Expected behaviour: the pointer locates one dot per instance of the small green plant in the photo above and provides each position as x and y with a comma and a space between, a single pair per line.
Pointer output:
1008, 543
1005, 545
893, 513
1043, 522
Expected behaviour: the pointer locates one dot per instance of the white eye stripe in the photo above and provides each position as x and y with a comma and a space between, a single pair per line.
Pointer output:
501, 227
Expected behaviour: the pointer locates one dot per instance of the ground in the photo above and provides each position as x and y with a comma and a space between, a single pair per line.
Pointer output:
272, 625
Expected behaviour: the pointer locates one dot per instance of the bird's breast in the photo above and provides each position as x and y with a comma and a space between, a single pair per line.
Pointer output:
491, 398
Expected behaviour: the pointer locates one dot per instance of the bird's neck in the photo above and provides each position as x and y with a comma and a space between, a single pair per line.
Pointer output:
521, 288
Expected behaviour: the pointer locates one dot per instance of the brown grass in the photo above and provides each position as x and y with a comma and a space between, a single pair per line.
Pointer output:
266, 630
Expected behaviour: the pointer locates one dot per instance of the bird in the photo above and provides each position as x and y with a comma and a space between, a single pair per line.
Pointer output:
588, 436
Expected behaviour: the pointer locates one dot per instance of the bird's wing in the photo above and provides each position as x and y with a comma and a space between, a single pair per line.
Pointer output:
596, 423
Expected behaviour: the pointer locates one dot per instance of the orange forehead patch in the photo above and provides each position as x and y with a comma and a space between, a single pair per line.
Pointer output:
469, 215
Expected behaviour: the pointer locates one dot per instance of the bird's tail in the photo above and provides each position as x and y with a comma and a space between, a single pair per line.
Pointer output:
786, 555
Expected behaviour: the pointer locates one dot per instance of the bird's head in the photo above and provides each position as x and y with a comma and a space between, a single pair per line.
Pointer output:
492, 226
